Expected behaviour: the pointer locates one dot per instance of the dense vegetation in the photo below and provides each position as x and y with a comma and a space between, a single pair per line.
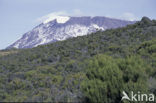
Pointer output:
91, 68
108, 77
7, 52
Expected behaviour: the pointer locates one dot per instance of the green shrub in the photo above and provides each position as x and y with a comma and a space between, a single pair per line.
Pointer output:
108, 77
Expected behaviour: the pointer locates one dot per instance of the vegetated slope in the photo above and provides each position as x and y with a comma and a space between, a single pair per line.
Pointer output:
62, 28
7, 52
91, 68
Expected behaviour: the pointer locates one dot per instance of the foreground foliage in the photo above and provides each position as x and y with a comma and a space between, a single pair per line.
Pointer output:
108, 77
92, 68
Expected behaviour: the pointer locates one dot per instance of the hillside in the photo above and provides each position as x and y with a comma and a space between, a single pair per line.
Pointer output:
91, 68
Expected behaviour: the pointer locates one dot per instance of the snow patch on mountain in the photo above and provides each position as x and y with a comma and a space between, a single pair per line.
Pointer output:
58, 28
59, 19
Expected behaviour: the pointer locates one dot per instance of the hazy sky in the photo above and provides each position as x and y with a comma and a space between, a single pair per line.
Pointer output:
20, 16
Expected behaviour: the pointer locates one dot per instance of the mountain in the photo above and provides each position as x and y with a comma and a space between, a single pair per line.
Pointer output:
94, 68
61, 28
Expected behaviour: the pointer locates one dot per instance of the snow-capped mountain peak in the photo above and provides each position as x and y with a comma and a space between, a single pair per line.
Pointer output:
59, 19
58, 28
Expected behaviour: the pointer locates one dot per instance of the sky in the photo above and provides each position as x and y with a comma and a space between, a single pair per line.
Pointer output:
20, 16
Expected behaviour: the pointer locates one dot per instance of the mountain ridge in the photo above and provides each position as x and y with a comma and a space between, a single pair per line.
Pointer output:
53, 31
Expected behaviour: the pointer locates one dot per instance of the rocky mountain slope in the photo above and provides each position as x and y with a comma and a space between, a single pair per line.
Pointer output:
61, 28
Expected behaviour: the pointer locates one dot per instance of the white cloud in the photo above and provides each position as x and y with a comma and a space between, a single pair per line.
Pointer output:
77, 12
60, 16
128, 16
51, 16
